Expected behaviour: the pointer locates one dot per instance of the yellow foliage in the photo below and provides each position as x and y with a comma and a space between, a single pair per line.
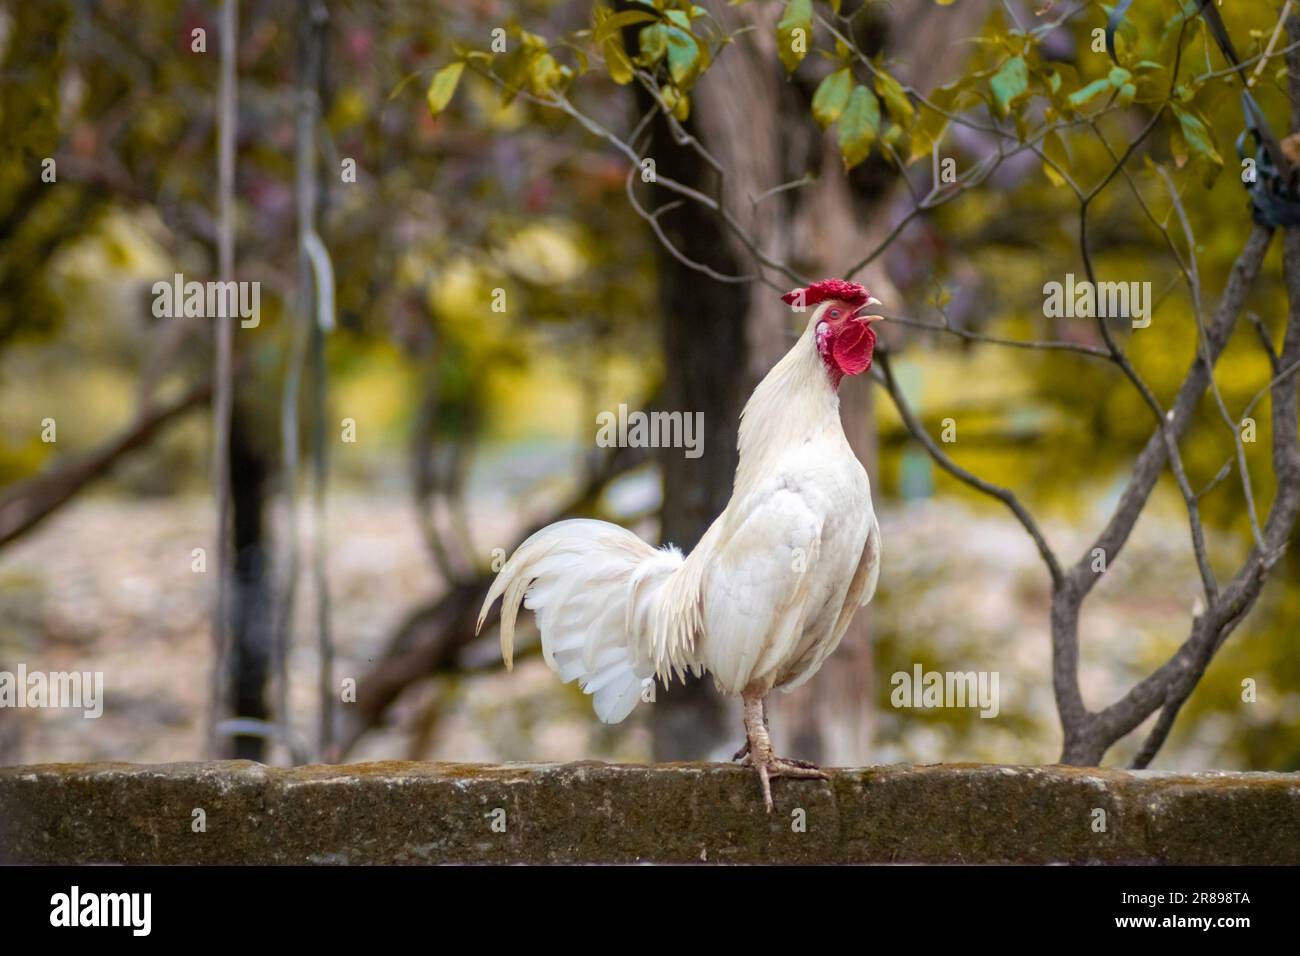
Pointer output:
460, 295
547, 398
376, 391
545, 254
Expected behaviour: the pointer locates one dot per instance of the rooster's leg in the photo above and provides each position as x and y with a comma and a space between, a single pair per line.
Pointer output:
743, 752
762, 758
744, 748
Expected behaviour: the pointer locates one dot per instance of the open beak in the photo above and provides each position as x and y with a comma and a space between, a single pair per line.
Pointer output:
862, 311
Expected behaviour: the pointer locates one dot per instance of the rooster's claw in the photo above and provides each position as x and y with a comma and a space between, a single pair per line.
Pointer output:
777, 767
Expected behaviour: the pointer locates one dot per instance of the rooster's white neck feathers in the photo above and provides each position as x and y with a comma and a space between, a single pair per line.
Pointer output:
796, 398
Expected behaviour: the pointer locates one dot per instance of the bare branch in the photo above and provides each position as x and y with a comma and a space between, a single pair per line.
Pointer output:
969, 336
653, 219
1151, 460
27, 503
1194, 282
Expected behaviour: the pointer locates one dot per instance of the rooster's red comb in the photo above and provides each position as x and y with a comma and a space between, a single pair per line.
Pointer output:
850, 293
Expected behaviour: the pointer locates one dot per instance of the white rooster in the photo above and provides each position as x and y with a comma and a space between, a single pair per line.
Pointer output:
768, 592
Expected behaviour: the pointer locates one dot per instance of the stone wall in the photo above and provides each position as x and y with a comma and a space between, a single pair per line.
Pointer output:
239, 812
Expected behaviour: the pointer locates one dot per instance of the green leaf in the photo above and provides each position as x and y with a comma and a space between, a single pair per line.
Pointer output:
669, 96
1061, 78
794, 33
832, 96
932, 124
616, 60
654, 44
533, 41
897, 140
613, 23
891, 91
682, 111
1173, 31
443, 87
1054, 149
516, 71
684, 58
1010, 84
405, 82
859, 126
1080, 98
926, 133
680, 18
546, 75
1178, 147
1200, 142
1121, 79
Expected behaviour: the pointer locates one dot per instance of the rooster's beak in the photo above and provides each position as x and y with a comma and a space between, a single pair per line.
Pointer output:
859, 314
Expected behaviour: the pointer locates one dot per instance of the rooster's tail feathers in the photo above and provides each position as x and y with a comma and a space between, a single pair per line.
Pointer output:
596, 589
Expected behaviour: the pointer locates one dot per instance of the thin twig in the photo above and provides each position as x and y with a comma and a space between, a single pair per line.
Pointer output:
222, 401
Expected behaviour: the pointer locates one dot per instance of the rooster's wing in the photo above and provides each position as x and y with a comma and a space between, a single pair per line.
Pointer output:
756, 589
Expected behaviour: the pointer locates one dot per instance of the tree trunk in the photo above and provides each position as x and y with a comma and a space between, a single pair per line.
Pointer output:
251, 594
721, 338
704, 325
770, 141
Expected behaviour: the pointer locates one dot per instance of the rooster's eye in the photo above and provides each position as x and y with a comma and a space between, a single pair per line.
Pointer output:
835, 313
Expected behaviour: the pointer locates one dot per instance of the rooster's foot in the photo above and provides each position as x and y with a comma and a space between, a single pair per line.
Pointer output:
773, 767
757, 752
743, 756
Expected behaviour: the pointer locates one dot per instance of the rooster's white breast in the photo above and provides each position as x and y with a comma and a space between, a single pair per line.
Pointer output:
789, 563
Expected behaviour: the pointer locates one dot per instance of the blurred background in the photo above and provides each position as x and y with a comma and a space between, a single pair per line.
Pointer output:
474, 424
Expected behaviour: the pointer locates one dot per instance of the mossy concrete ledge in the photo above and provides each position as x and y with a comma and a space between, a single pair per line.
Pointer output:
240, 812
